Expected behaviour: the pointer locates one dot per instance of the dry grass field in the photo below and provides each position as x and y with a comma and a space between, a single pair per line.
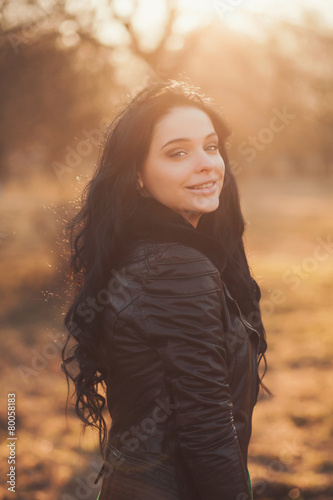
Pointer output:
291, 451
287, 239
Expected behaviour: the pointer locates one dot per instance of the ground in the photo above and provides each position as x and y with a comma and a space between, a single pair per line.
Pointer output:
288, 235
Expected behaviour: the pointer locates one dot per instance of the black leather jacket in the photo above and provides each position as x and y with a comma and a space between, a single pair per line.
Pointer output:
182, 379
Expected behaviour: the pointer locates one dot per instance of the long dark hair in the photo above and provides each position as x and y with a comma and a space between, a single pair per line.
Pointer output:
98, 237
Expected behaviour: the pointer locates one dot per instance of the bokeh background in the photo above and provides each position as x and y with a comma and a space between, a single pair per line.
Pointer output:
67, 67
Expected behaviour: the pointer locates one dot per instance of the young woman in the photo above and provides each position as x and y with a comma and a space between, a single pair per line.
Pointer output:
166, 314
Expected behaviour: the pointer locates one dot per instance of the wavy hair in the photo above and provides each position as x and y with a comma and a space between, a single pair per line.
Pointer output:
98, 237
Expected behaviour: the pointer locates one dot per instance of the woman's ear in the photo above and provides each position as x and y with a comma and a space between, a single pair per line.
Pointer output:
141, 187
139, 181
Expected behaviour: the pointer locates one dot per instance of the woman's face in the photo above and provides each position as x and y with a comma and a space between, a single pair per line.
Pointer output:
183, 156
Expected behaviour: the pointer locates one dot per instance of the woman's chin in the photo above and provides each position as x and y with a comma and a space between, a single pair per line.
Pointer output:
206, 204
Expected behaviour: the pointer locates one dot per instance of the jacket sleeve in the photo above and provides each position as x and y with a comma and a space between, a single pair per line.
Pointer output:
182, 317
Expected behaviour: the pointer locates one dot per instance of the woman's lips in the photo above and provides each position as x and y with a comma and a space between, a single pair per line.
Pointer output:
205, 190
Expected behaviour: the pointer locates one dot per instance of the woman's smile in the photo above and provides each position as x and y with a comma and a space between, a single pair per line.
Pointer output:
187, 179
205, 188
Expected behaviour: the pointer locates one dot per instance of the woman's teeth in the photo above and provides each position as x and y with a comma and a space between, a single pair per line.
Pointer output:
203, 186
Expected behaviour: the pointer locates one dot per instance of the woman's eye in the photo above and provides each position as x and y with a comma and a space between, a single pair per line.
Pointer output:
214, 146
176, 154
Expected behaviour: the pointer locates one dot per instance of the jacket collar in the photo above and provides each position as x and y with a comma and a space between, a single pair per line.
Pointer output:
156, 221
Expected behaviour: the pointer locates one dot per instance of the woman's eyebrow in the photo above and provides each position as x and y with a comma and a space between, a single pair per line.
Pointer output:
186, 139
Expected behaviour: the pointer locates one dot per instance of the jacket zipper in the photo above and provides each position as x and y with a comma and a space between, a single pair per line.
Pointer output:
246, 323
243, 320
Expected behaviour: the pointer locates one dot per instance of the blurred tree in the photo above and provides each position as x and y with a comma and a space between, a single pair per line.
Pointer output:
59, 77
51, 87
303, 74
290, 76
63, 67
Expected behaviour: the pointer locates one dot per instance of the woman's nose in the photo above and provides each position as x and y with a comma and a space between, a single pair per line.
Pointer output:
204, 162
